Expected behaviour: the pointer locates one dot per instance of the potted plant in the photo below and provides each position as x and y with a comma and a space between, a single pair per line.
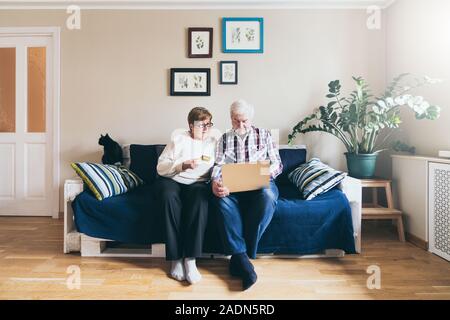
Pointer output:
359, 119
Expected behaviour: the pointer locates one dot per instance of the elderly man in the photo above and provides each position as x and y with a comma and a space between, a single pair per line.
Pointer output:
244, 216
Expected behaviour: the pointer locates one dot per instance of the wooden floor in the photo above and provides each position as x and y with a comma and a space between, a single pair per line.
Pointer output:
32, 266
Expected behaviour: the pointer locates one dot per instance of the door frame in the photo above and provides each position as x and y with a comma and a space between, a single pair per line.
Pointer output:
55, 34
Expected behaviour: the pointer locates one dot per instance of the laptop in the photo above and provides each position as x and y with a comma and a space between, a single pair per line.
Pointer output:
239, 177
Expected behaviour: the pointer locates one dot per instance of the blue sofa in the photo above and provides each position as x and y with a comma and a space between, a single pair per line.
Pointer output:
298, 227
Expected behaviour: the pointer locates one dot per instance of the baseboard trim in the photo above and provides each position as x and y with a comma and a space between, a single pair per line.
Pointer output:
416, 241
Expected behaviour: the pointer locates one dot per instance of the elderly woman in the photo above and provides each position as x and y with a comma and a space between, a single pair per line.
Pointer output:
184, 167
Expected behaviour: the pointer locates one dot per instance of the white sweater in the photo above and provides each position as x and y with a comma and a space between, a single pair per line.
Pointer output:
182, 148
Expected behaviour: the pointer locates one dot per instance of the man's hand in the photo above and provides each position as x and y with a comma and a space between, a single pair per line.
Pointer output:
189, 164
219, 189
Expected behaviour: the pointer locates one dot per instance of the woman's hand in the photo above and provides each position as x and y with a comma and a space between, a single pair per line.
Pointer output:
189, 164
219, 189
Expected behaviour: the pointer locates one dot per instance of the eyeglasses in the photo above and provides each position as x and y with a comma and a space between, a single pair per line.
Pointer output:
204, 125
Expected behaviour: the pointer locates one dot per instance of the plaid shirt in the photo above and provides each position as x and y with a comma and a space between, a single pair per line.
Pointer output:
256, 146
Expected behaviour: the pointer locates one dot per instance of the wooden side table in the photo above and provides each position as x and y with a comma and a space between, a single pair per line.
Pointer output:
373, 211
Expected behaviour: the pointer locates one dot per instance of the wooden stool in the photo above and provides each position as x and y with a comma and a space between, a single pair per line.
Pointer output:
373, 211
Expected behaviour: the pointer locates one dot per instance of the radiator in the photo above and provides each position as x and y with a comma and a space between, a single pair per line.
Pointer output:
439, 209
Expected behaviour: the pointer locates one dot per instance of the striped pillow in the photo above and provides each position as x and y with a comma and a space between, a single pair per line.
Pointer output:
314, 178
106, 180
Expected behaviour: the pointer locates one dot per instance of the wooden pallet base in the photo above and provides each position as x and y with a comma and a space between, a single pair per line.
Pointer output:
94, 247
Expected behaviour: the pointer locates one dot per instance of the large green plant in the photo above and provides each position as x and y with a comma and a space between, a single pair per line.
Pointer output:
358, 120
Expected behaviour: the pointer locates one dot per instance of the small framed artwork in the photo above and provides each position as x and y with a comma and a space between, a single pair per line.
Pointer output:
243, 35
228, 72
200, 42
190, 82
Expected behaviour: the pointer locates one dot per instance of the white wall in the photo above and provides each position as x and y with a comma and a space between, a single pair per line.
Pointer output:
115, 73
418, 41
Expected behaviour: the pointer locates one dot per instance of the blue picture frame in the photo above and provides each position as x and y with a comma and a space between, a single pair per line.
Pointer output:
226, 30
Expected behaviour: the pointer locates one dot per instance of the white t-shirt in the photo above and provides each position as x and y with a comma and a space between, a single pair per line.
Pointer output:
182, 148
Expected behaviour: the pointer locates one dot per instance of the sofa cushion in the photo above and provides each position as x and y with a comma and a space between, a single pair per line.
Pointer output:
144, 159
314, 178
291, 159
106, 181
288, 191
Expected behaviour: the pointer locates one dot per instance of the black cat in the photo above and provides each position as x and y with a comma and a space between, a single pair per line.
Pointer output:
112, 150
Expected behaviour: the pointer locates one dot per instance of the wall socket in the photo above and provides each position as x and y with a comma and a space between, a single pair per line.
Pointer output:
444, 154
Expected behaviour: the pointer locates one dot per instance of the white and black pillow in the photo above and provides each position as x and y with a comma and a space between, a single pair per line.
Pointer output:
106, 180
314, 178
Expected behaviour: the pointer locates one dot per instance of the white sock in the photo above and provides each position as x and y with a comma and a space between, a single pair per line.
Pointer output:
192, 273
177, 270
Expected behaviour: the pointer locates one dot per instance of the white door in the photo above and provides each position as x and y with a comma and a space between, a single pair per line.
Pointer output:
26, 126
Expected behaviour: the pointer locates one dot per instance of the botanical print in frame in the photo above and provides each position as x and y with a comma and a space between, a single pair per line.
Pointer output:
243, 35
228, 72
190, 82
200, 42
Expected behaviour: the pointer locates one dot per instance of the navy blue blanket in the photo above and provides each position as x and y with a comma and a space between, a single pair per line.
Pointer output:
132, 217
307, 227
298, 226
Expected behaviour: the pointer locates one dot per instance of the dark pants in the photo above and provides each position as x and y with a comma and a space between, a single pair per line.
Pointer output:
185, 208
243, 218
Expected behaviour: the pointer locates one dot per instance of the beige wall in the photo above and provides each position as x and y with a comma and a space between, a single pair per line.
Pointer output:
418, 41
115, 73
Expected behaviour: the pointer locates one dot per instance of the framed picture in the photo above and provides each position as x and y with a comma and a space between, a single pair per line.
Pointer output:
228, 72
190, 82
243, 35
200, 42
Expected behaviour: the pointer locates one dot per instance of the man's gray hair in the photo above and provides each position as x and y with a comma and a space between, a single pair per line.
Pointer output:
242, 107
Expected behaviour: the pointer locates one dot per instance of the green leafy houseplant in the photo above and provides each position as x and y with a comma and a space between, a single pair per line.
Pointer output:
359, 119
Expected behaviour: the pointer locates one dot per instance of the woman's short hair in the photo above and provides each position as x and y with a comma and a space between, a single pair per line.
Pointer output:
242, 107
198, 114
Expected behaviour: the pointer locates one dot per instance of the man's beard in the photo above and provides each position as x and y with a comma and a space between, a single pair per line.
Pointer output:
241, 131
